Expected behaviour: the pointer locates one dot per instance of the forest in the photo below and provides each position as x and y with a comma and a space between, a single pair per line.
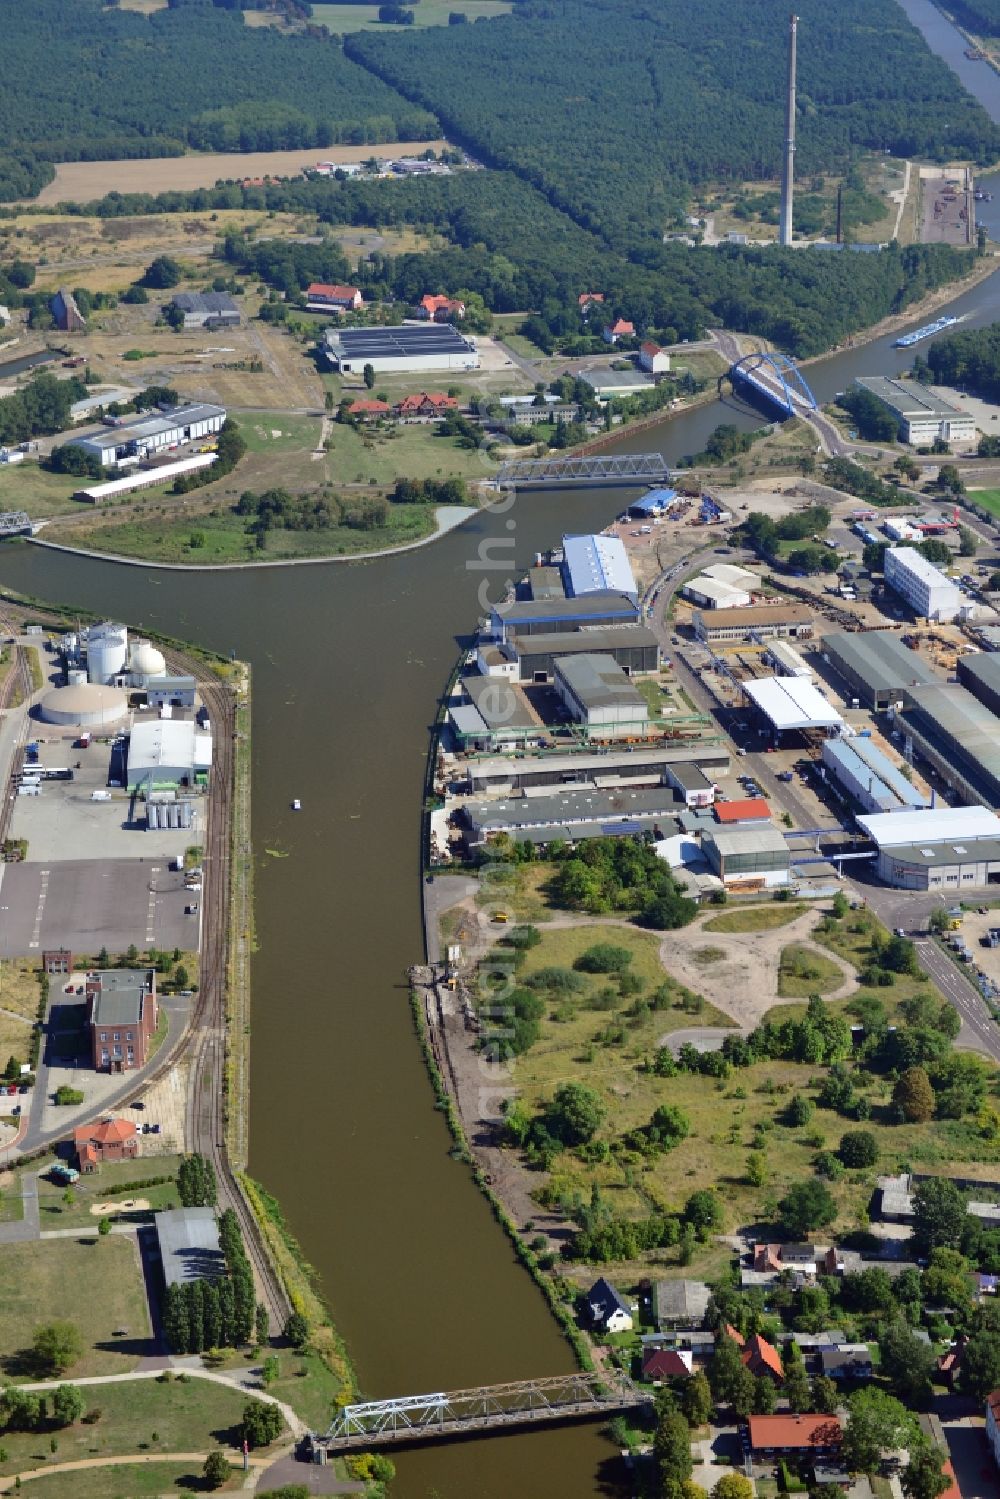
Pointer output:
969, 358
614, 113
980, 16
85, 82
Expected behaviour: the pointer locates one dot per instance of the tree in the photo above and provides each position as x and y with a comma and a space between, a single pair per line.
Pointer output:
939, 921
914, 1095
297, 1330
369, 376
947, 1278
733, 1486
924, 1476
67, 1404
906, 1360
575, 1114
668, 1126
216, 1470
858, 1148
806, 1206
968, 542
703, 1211
21, 1411
262, 1323
696, 1399
979, 1371
764, 1396
876, 1424
672, 1447
939, 1215
104, 1227
270, 1371
56, 1346
825, 1395
162, 273
756, 1172
796, 1385
262, 1423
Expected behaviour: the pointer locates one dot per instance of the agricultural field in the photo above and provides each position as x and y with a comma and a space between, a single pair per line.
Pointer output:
344, 18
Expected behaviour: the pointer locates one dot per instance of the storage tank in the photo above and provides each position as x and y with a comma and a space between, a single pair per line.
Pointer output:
107, 652
146, 661
152, 816
89, 705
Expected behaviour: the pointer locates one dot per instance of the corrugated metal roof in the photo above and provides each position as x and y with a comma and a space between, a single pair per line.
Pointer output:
931, 825
596, 564
792, 703
881, 660
860, 759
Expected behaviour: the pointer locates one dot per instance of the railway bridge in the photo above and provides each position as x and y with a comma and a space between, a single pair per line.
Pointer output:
599, 471
485, 1409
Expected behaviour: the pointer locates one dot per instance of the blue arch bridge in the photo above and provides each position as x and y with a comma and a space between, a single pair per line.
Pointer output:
774, 382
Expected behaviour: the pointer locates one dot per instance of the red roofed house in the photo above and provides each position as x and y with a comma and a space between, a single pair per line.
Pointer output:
950, 1362
441, 309
620, 328
952, 1491
735, 1334
333, 298
368, 411
775, 1435
111, 1140
761, 1357
748, 809
765, 1256
654, 359
993, 1424
666, 1363
426, 403
586, 298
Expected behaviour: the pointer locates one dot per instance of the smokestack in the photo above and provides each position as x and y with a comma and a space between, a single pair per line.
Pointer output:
788, 178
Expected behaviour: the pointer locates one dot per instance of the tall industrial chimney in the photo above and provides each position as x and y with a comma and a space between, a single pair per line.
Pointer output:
788, 177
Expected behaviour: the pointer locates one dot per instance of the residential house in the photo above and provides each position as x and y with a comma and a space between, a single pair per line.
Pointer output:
368, 411
426, 403
680, 1303
847, 1361
653, 358
121, 1017
620, 328
761, 1357
325, 298
950, 1362
734, 1333
441, 309
609, 1311
587, 299
659, 1364
993, 1424
952, 1491
986, 1285
110, 1140
769, 1261
795, 1436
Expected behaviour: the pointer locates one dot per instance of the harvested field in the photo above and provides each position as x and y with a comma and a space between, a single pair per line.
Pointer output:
80, 181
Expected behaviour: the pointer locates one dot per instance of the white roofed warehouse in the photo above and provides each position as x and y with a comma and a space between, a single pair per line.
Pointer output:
926, 589
596, 564
922, 415
951, 849
166, 753
150, 433
792, 703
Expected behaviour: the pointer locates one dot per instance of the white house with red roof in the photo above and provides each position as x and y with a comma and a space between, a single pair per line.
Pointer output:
321, 297
441, 309
620, 328
653, 358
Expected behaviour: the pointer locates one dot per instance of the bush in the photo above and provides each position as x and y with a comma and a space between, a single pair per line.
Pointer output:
66, 1095
858, 1148
603, 957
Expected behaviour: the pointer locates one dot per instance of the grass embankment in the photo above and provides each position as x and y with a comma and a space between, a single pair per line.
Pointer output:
127, 1481
18, 1006
25, 486
755, 918
94, 1283
989, 499
142, 1415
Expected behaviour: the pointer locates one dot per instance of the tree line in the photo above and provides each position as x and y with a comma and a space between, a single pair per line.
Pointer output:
969, 358
214, 1313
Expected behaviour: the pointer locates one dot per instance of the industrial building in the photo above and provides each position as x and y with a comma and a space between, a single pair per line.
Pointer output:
937, 848
134, 438
769, 622
85, 704
980, 675
958, 735
107, 652
165, 753
121, 1017
545, 582
790, 703
748, 858
787, 661
596, 564
645, 765
597, 693
924, 587
207, 309
550, 616
691, 783
876, 666
869, 776
715, 593
571, 816
412, 348
922, 416
634, 647
67, 315
189, 1245
492, 712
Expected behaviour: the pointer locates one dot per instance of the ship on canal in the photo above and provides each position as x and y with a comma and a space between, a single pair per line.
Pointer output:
927, 331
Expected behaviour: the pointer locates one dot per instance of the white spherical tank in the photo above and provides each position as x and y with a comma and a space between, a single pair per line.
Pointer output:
147, 661
107, 652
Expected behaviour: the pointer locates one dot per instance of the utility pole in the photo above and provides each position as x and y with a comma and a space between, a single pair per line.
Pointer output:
788, 177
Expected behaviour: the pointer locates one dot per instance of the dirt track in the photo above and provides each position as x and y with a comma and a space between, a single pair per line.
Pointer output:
81, 181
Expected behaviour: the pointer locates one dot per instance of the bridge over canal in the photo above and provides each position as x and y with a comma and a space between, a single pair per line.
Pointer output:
488, 1408
600, 471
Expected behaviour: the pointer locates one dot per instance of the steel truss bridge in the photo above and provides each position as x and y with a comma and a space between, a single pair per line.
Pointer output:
488, 1408
776, 379
623, 468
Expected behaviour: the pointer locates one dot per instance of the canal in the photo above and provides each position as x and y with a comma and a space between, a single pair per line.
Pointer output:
348, 663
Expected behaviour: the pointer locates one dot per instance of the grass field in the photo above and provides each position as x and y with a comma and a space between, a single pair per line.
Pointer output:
988, 498
194, 1415
802, 972
25, 486
755, 918
43, 1280
19, 994
127, 1481
93, 1189
341, 18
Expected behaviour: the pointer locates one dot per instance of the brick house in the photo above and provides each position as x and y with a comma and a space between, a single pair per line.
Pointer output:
110, 1140
654, 359
121, 1017
667, 1363
368, 411
796, 1436
57, 960
761, 1357
426, 403
441, 309
335, 298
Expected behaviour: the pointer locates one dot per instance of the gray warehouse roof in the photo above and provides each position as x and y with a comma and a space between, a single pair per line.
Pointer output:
204, 301
932, 856
571, 806
189, 1245
748, 841
499, 702
569, 642
908, 398
982, 670
600, 604
396, 343
599, 682
120, 999
961, 722
879, 659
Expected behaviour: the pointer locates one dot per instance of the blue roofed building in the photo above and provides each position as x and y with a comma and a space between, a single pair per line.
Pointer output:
870, 777
654, 503
596, 564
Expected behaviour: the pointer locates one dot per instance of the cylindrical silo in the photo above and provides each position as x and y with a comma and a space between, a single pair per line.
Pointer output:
107, 652
151, 819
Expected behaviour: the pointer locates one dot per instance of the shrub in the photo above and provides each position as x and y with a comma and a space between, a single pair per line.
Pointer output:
603, 957
858, 1148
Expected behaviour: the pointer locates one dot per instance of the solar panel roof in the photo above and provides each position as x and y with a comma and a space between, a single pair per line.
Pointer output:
416, 338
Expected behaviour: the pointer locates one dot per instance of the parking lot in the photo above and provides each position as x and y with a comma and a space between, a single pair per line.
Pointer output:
87, 904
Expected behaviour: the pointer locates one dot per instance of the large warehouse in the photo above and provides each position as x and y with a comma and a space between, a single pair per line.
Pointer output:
869, 776
927, 591
412, 348
597, 693
876, 666
596, 564
493, 713
980, 675
959, 736
790, 703
150, 433
550, 616
922, 416
164, 753
748, 858
571, 816
767, 622
644, 765
939, 848
634, 647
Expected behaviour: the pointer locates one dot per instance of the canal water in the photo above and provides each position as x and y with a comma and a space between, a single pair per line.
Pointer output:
348, 664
